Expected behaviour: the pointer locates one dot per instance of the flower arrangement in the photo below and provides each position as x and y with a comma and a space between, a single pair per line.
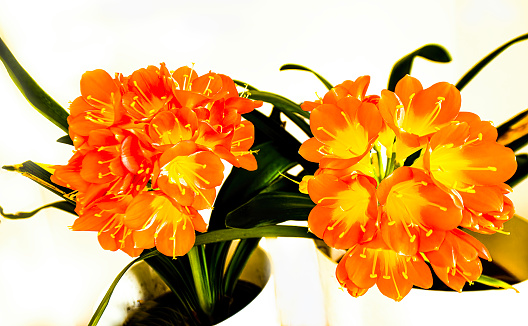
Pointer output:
391, 178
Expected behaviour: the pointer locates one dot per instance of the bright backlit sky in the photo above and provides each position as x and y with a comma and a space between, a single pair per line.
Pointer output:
56, 274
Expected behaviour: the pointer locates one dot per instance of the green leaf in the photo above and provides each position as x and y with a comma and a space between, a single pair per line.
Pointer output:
433, 52
42, 176
287, 145
62, 205
491, 281
482, 63
522, 170
65, 140
102, 306
35, 95
292, 66
258, 232
242, 185
245, 85
291, 109
514, 132
238, 261
271, 208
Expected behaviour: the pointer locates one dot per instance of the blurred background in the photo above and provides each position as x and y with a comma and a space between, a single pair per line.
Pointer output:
52, 276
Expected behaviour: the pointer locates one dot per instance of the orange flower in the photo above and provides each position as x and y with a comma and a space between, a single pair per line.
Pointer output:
415, 209
344, 133
487, 208
460, 158
105, 215
133, 134
356, 89
186, 173
98, 107
149, 91
390, 214
457, 260
160, 221
414, 113
346, 209
393, 273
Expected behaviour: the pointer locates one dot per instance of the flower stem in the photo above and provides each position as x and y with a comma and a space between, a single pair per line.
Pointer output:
380, 162
201, 279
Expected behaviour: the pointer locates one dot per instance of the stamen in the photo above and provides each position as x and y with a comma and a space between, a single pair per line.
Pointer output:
373, 274
207, 91
91, 98
101, 175
141, 92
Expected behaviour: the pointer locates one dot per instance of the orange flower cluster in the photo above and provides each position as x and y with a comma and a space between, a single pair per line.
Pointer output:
148, 154
391, 216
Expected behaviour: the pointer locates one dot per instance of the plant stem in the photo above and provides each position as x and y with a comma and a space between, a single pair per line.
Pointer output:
201, 279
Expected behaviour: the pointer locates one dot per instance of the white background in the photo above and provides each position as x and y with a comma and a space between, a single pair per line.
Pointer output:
52, 276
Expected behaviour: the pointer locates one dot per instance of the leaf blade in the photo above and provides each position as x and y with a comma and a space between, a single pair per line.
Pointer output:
62, 205
468, 76
35, 95
271, 208
293, 66
402, 67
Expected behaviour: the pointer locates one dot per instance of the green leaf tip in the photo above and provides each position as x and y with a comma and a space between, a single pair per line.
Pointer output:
493, 282
484, 62
402, 67
293, 66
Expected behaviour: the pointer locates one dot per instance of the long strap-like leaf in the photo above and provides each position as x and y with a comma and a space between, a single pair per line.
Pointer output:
402, 67
293, 66
62, 205
32, 91
482, 63
104, 303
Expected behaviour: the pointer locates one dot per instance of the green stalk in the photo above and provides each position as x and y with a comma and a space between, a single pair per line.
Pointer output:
380, 162
201, 279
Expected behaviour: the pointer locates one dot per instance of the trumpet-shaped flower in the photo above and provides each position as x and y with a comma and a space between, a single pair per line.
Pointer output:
373, 263
161, 222
459, 159
344, 133
346, 209
457, 260
415, 208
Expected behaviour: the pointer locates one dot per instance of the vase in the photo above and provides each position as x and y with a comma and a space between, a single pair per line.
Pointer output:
436, 307
141, 285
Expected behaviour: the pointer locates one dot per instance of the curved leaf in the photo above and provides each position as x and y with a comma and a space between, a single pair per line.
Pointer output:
513, 132
242, 185
292, 66
288, 145
271, 208
102, 306
41, 175
522, 170
65, 140
482, 63
62, 205
491, 281
291, 109
35, 95
245, 85
237, 263
402, 67
258, 232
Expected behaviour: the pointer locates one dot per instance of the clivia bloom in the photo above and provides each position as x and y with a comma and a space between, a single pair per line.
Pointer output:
440, 173
148, 154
